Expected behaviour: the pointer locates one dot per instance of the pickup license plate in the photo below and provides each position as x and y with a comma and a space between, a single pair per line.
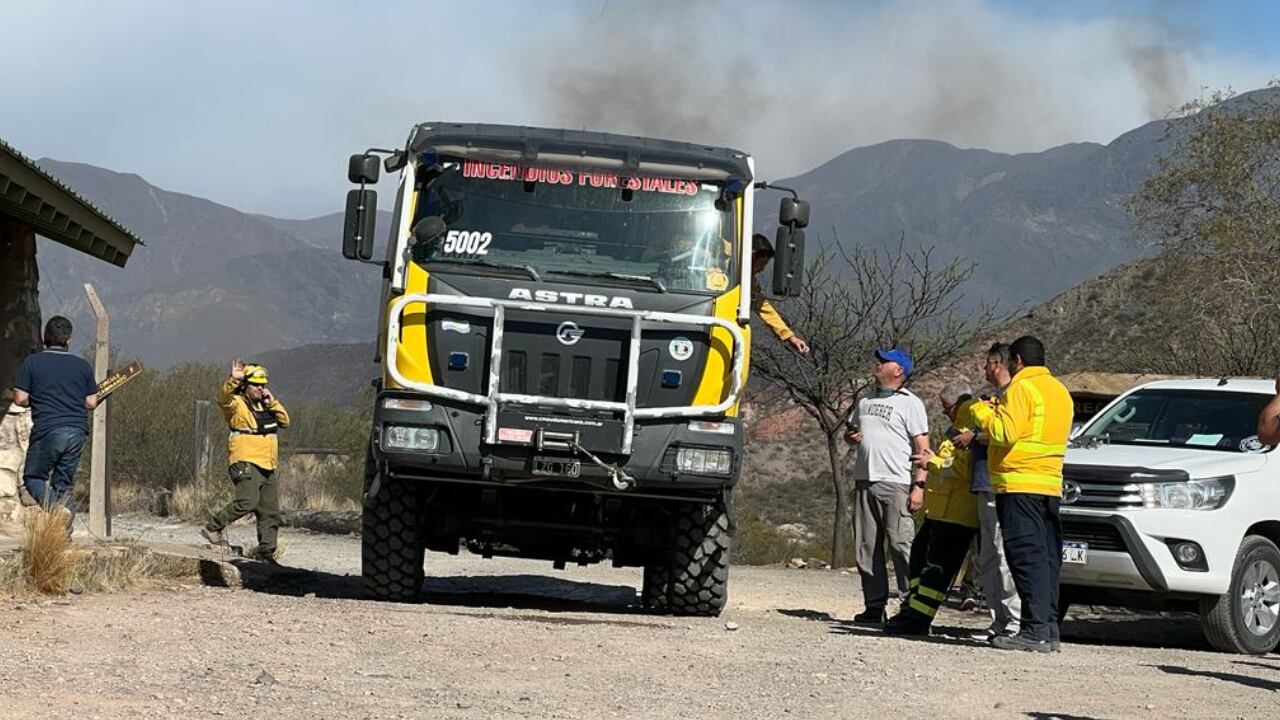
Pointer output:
556, 467
1075, 552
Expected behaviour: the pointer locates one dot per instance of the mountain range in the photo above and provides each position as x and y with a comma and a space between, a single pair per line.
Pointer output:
212, 282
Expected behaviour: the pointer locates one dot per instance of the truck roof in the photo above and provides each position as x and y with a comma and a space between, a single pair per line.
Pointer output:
529, 145
1230, 384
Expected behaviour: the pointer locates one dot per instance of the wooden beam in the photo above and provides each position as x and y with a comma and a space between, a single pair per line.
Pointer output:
99, 472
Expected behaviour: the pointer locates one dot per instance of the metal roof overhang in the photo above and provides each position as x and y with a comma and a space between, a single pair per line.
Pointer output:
57, 212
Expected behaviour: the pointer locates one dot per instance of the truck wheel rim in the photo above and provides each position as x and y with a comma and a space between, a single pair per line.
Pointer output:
1260, 597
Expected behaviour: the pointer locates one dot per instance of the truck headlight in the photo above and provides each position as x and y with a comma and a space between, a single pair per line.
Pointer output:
1203, 494
407, 404
704, 461
403, 437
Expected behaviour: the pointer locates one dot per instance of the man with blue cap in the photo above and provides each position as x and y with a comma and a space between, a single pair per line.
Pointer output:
893, 425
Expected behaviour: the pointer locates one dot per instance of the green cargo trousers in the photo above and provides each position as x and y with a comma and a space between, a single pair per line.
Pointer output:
256, 492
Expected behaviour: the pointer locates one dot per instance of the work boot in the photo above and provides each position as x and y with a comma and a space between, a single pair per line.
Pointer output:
265, 555
213, 536
870, 617
902, 625
1021, 642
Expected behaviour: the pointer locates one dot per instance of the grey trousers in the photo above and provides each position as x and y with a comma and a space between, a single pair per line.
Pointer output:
880, 513
997, 583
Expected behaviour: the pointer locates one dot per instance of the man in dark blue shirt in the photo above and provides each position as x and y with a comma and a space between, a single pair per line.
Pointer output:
60, 390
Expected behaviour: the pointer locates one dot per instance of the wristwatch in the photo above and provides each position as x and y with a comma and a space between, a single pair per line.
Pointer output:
918, 484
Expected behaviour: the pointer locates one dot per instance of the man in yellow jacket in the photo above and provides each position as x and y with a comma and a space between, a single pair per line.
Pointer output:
761, 253
1028, 431
950, 521
255, 417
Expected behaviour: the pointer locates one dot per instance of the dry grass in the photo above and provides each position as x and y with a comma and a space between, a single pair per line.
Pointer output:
47, 563
302, 496
197, 501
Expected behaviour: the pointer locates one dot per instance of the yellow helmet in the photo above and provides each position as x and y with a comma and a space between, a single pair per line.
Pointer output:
255, 374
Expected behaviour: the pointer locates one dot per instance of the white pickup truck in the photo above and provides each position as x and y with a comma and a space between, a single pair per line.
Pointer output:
1170, 502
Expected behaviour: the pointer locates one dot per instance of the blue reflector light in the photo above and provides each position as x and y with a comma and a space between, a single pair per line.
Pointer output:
671, 378
458, 361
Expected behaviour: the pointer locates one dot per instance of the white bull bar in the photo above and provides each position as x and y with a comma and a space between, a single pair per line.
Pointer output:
492, 401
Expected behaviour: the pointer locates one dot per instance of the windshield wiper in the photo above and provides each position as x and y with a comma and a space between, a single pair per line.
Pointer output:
645, 279
527, 269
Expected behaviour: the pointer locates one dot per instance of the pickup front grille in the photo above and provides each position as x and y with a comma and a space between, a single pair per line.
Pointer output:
1099, 535
1110, 488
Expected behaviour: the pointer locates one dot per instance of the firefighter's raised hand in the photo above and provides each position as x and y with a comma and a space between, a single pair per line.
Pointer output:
798, 344
922, 457
853, 437
237, 370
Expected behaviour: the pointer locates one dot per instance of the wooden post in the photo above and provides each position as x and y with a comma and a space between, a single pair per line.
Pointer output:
200, 466
99, 472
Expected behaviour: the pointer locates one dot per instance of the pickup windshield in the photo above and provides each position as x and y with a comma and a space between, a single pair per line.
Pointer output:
662, 233
1185, 418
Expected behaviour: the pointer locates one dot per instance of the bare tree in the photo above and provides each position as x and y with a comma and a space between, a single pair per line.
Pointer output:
856, 300
1213, 209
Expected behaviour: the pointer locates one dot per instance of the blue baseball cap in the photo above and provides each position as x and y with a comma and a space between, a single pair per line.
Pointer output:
896, 355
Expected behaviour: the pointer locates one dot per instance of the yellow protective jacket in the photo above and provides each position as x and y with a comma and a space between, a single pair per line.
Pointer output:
253, 427
946, 496
768, 313
1028, 427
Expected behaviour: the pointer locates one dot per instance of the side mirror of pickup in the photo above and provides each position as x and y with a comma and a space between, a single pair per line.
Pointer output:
788, 262
360, 223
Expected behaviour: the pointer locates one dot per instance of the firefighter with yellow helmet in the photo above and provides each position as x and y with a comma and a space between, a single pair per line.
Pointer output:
255, 417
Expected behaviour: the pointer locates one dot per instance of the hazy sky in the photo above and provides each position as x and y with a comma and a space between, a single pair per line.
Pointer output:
257, 105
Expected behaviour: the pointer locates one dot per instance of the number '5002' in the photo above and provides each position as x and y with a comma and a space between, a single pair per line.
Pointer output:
468, 243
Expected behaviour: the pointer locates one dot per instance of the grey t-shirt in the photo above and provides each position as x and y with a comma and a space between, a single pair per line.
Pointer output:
889, 426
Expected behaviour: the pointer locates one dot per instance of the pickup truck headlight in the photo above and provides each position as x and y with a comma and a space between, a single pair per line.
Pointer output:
1203, 494
403, 437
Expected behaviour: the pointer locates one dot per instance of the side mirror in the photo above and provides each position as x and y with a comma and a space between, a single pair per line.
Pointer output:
363, 169
788, 262
794, 213
428, 229
359, 223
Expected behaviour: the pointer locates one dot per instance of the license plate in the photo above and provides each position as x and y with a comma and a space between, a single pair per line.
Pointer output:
556, 467
1075, 552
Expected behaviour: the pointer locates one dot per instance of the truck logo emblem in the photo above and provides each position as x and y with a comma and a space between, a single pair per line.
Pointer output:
1070, 492
569, 333
570, 298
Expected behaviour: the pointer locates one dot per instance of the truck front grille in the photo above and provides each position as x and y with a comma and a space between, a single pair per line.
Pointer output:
1099, 535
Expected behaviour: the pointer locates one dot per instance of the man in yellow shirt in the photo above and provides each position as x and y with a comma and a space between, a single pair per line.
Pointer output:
761, 253
255, 417
1028, 429
950, 524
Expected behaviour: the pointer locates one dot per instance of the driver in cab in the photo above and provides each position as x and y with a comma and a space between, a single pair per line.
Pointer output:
761, 253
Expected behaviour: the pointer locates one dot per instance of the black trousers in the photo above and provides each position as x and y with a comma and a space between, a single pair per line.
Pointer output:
1033, 547
936, 556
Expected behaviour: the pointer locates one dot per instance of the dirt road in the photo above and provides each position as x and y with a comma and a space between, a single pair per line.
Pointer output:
504, 638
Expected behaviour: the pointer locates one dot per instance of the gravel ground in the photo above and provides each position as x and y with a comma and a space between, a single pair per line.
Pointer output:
508, 638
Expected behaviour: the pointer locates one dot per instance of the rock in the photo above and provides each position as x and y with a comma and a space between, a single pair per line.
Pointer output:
797, 564
264, 678
309, 595
731, 626
818, 564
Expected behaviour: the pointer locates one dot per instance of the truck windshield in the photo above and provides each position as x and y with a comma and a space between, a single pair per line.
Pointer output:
1186, 418
662, 233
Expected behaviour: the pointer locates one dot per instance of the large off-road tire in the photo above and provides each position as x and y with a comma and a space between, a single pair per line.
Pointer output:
391, 546
698, 575
1243, 619
653, 595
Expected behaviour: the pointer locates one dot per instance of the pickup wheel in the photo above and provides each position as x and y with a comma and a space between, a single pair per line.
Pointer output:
698, 574
1246, 618
391, 548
